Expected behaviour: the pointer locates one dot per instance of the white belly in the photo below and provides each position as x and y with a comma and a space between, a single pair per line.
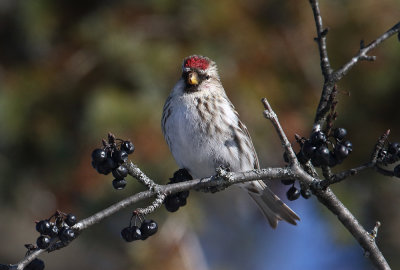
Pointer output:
200, 146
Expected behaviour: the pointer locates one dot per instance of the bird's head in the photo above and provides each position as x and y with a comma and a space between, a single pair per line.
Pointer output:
196, 70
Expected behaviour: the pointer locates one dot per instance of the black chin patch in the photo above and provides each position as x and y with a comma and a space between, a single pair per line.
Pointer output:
193, 88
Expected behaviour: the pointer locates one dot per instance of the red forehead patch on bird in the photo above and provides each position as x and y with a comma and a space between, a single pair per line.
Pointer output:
197, 62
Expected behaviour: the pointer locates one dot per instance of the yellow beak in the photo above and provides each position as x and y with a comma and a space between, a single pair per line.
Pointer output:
193, 78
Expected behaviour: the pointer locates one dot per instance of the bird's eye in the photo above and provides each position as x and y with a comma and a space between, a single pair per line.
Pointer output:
208, 77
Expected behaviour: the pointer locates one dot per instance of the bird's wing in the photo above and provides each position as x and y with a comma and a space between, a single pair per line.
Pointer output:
243, 128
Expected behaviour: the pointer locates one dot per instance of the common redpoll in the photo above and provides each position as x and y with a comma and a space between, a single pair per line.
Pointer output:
203, 132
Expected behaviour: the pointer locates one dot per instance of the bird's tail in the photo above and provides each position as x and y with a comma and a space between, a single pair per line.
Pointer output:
270, 204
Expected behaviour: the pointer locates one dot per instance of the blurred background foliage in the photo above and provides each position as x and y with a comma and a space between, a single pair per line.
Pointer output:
71, 71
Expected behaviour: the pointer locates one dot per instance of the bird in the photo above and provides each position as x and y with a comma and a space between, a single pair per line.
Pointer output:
203, 131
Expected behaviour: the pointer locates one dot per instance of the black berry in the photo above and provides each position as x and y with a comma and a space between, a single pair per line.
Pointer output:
128, 147
180, 176
53, 230
110, 164
120, 172
99, 156
43, 227
127, 233
66, 234
148, 228
182, 202
301, 157
317, 138
183, 195
396, 171
394, 148
322, 155
308, 149
341, 152
172, 203
107, 166
349, 146
36, 264
332, 160
136, 233
287, 181
43, 242
103, 169
70, 220
340, 133
293, 194
120, 156
306, 194
119, 184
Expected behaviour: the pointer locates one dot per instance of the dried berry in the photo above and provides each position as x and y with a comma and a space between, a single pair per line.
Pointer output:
293, 194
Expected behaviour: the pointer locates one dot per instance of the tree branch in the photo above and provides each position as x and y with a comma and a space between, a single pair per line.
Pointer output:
321, 39
332, 77
363, 237
326, 69
363, 53
197, 184
328, 198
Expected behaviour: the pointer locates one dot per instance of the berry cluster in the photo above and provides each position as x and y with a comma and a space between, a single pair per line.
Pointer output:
36, 264
294, 193
61, 227
142, 232
111, 158
390, 155
174, 201
325, 152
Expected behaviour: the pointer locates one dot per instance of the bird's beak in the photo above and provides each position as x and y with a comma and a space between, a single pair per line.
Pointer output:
193, 78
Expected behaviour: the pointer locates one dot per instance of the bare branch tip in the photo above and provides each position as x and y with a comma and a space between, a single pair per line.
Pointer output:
374, 232
362, 44
324, 32
266, 103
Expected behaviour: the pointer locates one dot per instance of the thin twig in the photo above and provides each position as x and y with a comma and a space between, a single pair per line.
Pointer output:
336, 178
363, 52
271, 115
323, 106
332, 77
379, 146
321, 39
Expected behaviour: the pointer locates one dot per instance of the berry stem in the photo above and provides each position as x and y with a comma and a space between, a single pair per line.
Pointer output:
379, 145
135, 172
158, 201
